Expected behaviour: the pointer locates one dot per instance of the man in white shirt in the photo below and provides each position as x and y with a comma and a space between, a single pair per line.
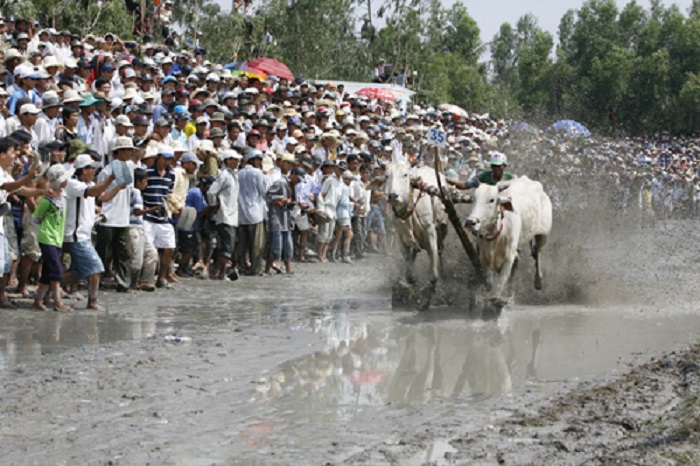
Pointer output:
80, 193
45, 126
224, 194
326, 204
251, 204
113, 233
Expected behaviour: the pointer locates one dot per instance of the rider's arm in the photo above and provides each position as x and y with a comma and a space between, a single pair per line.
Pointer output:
457, 184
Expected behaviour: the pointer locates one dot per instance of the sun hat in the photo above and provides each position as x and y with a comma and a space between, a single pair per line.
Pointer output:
123, 120
286, 157
188, 215
123, 142
206, 146
57, 175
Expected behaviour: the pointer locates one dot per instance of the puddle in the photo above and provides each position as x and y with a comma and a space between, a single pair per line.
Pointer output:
387, 358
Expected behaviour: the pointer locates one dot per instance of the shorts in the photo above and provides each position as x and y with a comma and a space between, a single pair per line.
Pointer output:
28, 243
281, 245
84, 259
51, 267
187, 241
343, 223
375, 221
162, 235
325, 230
5, 259
225, 240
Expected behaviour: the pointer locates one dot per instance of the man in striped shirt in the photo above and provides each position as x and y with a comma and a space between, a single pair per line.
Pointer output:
156, 224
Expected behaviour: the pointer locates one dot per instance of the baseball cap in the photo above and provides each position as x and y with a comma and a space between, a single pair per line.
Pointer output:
230, 154
29, 108
190, 157
498, 158
84, 160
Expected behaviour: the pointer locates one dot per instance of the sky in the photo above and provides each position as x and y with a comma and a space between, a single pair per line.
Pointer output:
490, 14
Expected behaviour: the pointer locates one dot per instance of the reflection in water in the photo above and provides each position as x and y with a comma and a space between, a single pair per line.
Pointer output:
386, 358
389, 362
26, 336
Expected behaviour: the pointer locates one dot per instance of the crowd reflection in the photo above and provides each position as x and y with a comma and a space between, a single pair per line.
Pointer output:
370, 364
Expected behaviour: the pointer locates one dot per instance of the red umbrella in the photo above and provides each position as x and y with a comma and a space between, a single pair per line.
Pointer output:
268, 66
377, 93
453, 109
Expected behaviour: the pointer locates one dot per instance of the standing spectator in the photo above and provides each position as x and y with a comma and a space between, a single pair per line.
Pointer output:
80, 220
113, 232
224, 193
51, 215
161, 180
251, 203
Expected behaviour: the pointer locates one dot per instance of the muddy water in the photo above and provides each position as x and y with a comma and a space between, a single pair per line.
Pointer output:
276, 380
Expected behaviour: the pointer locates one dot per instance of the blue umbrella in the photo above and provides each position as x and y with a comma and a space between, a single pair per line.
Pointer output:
232, 65
571, 127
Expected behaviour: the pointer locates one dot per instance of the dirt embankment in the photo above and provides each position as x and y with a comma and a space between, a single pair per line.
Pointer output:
649, 416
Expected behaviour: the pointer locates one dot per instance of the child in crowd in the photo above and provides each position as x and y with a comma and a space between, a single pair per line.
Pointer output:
51, 215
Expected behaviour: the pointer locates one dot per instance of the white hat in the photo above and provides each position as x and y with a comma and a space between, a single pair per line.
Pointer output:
292, 141
84, 160
71, 96
188, 216
497, 158
166, 60
213, 77
57, 175
129, 73
130, 93
116, 103
230, 154
51, 61
124, 142
70, 63
29, 108
123, 120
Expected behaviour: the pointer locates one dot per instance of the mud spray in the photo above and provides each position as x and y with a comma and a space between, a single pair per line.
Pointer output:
602, 249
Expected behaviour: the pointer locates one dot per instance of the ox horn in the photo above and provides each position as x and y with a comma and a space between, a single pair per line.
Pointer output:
416, 182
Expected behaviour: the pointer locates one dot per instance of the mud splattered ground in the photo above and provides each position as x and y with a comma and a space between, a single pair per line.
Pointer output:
317, 368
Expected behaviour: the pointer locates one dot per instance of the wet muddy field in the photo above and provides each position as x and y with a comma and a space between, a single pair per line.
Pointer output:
316, 368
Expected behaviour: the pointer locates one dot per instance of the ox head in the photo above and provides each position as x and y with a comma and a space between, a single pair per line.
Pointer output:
488, 205
398, 184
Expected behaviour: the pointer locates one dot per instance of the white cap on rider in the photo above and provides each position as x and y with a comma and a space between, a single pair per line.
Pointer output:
498, 158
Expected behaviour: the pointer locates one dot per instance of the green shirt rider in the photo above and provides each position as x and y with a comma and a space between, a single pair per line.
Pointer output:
498, 164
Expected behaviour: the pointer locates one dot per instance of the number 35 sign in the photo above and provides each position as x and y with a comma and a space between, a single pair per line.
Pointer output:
437, 137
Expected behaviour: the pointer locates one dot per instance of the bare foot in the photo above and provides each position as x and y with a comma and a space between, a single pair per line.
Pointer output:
7, 304
94, 306
60, 307
39, 306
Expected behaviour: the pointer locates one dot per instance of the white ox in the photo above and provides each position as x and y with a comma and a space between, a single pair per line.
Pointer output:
419, 219
505, 218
